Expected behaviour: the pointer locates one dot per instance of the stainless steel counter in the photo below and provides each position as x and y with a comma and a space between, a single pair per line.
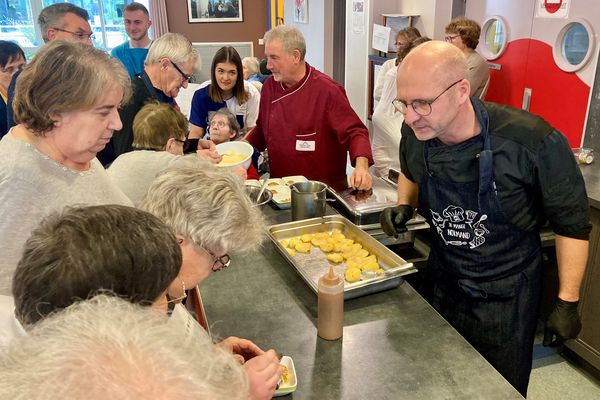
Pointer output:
395, 345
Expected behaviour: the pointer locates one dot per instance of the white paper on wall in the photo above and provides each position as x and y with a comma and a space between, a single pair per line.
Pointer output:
381, 38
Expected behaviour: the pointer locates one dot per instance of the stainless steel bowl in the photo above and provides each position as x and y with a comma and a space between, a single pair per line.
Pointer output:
265, 197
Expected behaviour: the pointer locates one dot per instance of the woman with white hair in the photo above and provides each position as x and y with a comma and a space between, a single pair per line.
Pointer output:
251, 67
211, 216
169, 66
73, 255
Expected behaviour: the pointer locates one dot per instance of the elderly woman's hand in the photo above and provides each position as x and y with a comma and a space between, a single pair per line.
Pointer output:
208, 151
243, 349
264, 372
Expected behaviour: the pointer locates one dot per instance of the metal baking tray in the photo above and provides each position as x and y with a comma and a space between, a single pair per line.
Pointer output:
364, 208
313, 265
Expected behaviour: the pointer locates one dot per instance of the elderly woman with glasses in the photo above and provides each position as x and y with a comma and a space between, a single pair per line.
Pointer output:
48, 161
120, 252
159, 138
169, 66
212, 216
464, 34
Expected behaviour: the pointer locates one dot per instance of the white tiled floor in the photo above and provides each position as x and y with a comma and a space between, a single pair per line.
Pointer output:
555, 378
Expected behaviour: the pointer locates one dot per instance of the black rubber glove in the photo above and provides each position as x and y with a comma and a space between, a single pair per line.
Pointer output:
393, 219
563, 322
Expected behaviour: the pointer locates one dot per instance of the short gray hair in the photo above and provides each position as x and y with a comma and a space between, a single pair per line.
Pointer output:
173, 46
50, 16
107, 348
290, 37
253, 64
206, 204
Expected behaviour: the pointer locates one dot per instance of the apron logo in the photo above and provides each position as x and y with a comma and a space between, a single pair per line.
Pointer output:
458, 227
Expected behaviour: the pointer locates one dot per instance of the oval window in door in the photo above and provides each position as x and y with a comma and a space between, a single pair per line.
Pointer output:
574, 45
495, 37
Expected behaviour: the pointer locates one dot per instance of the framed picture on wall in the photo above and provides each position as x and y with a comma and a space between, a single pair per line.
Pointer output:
214, 10
301, 11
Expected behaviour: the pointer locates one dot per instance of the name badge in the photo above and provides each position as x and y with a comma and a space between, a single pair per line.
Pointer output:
305, 145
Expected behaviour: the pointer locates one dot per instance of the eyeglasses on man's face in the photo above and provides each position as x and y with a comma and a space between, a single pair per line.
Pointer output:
186, 78
450, 38
421, 107
80, 36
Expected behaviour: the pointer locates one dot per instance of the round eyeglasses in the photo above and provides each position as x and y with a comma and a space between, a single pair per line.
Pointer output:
421, 107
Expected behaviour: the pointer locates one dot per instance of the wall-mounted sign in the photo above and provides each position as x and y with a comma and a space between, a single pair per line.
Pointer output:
552, 8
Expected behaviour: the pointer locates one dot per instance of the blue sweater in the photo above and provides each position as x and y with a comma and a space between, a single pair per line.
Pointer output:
132, 58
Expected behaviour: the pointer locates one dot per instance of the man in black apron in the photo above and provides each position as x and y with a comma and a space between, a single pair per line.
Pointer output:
487, 177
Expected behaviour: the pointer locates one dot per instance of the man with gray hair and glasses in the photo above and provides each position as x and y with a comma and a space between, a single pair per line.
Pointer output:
487, 178
60, 21
169, 66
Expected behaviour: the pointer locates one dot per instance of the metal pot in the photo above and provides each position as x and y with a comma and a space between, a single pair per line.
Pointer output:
308, 199
265, 197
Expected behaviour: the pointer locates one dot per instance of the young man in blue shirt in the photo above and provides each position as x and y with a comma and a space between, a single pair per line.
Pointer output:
132, 53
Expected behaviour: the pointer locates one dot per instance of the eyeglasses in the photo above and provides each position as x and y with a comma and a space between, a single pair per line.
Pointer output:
450, 38
81, 36
421, 107
179, 299
186, 78
220, 262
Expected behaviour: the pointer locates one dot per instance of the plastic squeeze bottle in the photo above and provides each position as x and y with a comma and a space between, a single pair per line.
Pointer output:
330, 309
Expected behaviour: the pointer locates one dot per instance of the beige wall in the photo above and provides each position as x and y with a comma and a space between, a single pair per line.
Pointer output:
250, 29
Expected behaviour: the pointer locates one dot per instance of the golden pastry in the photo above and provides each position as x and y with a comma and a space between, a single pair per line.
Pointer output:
352, 274
302, 247
335, 258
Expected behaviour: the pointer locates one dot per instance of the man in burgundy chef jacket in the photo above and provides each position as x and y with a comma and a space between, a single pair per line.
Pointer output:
305, 120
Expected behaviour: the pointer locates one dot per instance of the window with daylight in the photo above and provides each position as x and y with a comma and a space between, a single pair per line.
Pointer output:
18, 19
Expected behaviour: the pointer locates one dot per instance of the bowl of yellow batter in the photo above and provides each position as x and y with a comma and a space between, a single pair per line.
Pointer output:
235, 154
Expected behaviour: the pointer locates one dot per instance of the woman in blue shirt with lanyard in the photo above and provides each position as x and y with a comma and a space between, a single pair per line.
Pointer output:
226, 88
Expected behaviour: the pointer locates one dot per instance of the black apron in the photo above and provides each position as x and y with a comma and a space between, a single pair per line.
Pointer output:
486, 271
